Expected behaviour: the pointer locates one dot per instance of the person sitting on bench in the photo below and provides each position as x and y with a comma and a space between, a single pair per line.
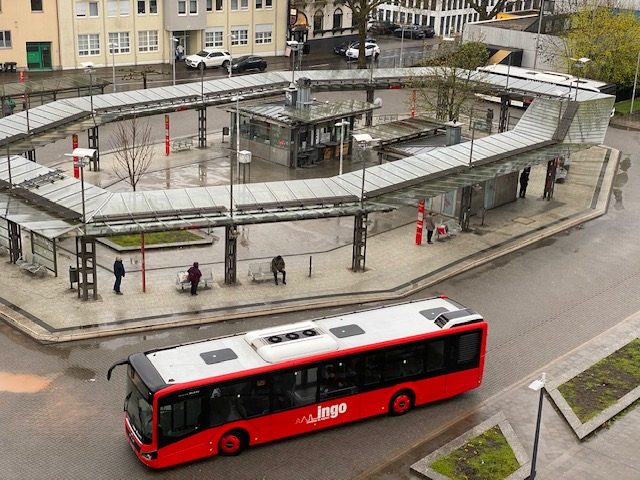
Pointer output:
277, 265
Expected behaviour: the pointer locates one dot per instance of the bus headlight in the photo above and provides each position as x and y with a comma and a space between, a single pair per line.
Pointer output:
150, 455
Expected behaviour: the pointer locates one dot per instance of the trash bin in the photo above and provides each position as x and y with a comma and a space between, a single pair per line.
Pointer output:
73, 275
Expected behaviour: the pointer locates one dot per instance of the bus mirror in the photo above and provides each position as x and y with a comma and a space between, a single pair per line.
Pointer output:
121, 362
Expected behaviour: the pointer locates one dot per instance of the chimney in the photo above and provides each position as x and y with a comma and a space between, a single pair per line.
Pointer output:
304, 92
453, 132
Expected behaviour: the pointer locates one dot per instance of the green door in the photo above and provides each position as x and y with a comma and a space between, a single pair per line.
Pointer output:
39, 55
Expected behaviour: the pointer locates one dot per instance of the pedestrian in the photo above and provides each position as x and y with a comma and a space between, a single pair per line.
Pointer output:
118, 271
524, 181
7, 106
194, 277
430, 225
179, 52
277, 265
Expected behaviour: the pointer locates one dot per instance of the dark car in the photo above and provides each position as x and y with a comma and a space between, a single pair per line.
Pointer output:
429, 31
248, 62
410, 31
383, 28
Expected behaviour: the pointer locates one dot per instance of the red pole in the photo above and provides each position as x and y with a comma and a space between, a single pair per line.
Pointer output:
420, 223
166, 135
144, 273
76, 168
413, 103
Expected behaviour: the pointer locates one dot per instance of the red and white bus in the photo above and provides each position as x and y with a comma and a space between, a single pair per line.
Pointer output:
221, 395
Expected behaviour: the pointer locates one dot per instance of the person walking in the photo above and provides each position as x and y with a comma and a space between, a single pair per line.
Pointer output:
118, 271
179, 52
8, 106
194, 277
430, 225
277, 265
524, 181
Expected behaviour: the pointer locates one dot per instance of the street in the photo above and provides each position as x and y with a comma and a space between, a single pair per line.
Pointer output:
62, 419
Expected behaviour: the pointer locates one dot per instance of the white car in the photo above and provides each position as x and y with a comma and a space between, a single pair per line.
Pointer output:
370, 49
209, 57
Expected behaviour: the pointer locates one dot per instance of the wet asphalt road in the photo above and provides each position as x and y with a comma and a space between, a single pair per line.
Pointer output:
62, 420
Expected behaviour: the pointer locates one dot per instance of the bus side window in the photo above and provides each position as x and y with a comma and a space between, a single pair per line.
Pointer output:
468, 351
179, 418
373, 369
255, 400
339, 378
435, 356
225, 401
404, 361
282, 392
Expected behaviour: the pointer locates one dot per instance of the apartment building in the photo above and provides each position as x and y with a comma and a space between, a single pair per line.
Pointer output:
29, 34
139, 32
447, 17
321, 24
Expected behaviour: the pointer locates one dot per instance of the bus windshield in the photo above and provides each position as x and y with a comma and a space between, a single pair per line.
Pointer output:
139, 412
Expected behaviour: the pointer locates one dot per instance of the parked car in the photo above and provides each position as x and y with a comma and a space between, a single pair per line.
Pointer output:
248, 62
382, 28
410, 31
343, 47
429, 31
209, 57
370, 50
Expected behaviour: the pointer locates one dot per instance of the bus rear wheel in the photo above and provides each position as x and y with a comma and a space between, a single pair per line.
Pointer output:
232, 443
401, 403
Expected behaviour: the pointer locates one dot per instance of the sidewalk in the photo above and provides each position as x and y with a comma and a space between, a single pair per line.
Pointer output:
48, 310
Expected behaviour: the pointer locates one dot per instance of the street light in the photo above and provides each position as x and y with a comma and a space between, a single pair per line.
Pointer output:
236, 99
173, 55
295, 46
537, 385
232, 36
635, 80
366, 142
341, 124
89, 68
580, 63
113, 47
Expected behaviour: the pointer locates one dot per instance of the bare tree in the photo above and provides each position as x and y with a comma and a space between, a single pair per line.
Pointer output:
485, 11
143, 74
360, 13
131, 141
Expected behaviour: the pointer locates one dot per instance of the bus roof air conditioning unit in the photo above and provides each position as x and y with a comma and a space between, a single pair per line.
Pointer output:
286, 342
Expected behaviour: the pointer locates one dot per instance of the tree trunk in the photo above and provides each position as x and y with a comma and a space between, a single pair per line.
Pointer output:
362, 35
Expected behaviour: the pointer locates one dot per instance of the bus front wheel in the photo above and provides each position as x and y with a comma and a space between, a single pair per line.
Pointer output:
232, 443
401, 403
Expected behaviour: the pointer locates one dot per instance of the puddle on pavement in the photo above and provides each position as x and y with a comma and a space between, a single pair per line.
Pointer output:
80, 373
23, 383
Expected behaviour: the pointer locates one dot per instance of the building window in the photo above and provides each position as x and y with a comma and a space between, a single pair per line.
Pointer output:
268, 3
244, 4
36, 5
118, 8
218, 5
182, 7
142, 7
263, 4
193, 7
258, 4
153, 7
239, 36
264, 34
148, 41
85, 8
88, 44
337, 19
214, 37
317, 21
5, 39
209, 5
234, 4
119, 42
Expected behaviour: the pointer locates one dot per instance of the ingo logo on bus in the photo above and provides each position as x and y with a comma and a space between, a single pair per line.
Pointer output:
324, 413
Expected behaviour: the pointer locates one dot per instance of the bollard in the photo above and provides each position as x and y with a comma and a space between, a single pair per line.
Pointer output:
310, 257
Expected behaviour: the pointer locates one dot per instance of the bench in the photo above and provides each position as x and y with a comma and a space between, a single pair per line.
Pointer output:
447, 229
182, 279
32, 268
260, 271
184, 144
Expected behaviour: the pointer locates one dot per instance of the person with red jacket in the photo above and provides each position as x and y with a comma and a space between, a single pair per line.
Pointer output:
194, 277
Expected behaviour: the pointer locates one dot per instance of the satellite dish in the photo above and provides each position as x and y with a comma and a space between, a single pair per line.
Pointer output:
378, 102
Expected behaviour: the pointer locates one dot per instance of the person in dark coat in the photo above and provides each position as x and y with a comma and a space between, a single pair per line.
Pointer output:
430, 225
277, 265
118, 271
194, 277
524, 181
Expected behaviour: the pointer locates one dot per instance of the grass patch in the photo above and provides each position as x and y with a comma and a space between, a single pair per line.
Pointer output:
485, 457
624, 106
604, 383
155, 238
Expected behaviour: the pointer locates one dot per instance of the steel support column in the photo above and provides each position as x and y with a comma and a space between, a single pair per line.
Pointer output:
15, 241
465, 208
368, 119
86, 267
202, 127
505, 103
358, 258
94, 141
230, 254
550, 179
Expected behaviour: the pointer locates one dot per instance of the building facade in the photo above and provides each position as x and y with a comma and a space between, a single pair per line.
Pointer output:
321, 24
139, 32
447, 17
29, 34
